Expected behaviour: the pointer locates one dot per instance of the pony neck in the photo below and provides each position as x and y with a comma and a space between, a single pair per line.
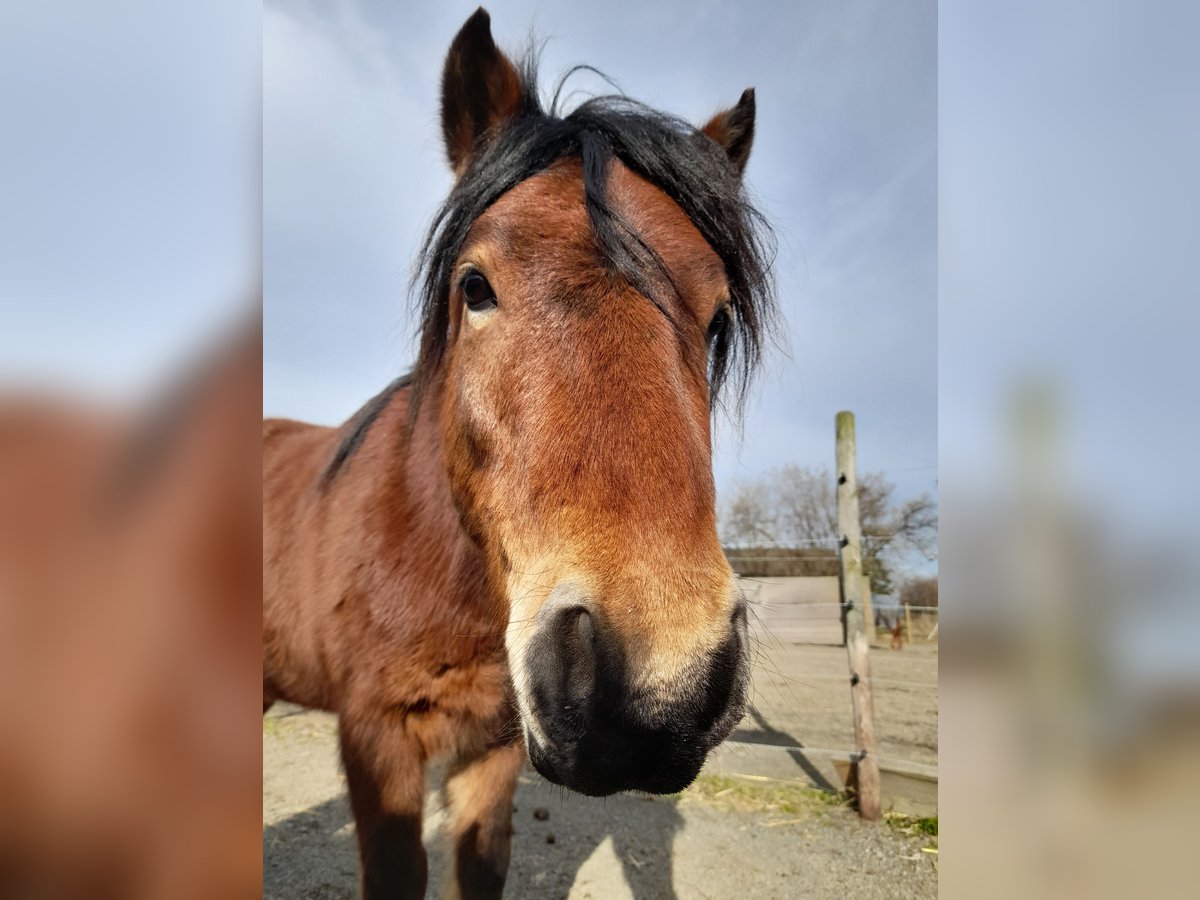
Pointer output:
433, 525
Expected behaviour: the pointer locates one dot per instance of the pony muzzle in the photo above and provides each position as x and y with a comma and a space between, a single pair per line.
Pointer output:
598, 722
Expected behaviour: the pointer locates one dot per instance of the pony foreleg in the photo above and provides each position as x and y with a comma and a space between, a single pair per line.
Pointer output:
385, 775
479, 794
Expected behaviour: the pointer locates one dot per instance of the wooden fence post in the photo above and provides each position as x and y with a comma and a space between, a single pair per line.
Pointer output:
857, 645
868, 609
908, 622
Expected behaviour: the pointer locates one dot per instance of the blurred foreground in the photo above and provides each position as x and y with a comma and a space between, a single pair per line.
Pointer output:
130, 385
130, 652
1070, 678
1068, 440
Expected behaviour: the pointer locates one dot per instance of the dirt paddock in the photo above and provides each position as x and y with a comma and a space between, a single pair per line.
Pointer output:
769, 835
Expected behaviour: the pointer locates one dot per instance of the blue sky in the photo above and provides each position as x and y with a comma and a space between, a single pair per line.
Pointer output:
844, 164
129, 178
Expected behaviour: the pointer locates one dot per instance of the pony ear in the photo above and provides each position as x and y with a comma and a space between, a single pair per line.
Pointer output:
733, 130
481, 89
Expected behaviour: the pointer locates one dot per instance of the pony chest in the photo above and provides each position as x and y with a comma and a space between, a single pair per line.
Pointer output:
442, 689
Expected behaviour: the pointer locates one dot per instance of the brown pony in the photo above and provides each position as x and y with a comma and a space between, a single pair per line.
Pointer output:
515, 547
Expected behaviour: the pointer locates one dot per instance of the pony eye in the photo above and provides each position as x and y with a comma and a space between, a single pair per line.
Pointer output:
720, 321
478, 293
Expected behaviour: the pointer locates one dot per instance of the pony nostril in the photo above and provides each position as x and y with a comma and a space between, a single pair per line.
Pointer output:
584, 630
579, 650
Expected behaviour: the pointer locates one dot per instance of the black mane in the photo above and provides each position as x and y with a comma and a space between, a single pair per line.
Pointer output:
668, 152
358, 426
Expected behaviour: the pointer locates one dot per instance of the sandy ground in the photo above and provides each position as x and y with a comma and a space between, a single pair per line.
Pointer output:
801, 696
724, 838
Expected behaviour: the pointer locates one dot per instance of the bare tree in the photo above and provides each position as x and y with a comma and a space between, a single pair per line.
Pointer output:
797, 506
750, 517
919, 592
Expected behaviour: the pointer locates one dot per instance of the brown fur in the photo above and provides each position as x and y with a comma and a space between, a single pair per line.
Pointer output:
733, 129
379, 605
563, 439
574, 369
129, 616
481, 89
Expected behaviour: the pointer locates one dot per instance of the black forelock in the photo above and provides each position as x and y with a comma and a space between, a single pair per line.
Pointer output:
668, 152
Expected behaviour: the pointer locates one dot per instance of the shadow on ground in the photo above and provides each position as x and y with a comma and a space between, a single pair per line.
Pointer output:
640, 832
312, 855
768, 735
